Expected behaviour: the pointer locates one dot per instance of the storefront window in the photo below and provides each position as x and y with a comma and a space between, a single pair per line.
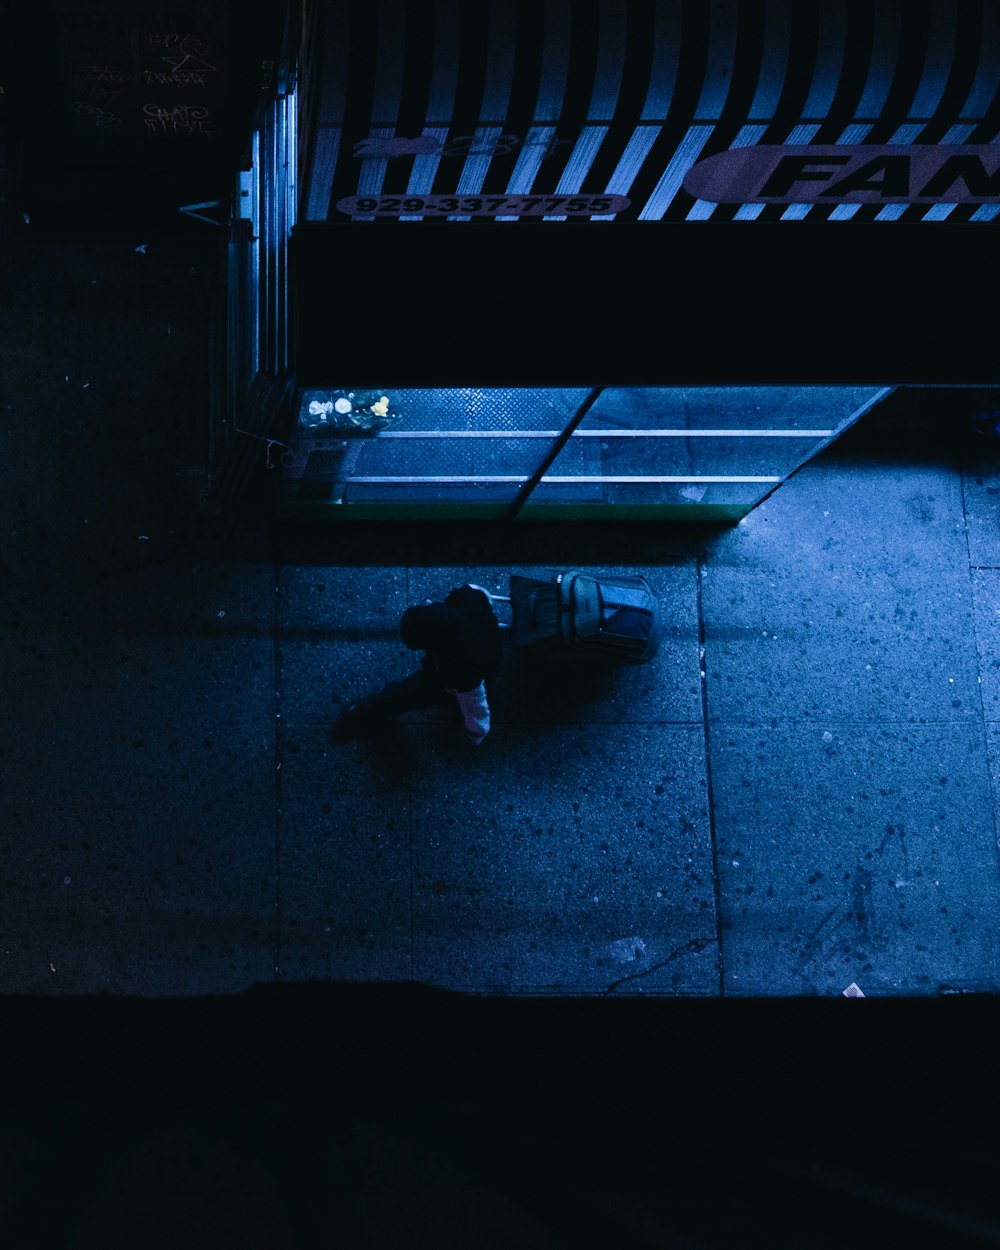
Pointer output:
681, 452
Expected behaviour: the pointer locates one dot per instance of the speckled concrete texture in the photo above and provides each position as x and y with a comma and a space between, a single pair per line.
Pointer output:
344, 833
338, 637
846, 595
986, 599
565, 861
980, 476
860, 852
138, 667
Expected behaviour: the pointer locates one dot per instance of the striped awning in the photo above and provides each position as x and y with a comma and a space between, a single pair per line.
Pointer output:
600, 110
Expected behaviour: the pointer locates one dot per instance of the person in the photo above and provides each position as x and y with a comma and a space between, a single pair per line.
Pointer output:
461, 641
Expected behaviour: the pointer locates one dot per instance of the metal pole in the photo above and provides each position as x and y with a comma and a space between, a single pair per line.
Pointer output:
558, 444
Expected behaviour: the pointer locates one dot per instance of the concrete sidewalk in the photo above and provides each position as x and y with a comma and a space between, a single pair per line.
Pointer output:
816, 810
797, 793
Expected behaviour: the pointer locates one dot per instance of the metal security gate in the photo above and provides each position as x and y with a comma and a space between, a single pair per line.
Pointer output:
256, 350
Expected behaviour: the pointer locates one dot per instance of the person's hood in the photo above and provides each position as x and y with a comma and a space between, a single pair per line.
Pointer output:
430, 626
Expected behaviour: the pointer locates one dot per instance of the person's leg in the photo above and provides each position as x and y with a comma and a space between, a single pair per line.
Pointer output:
416, 691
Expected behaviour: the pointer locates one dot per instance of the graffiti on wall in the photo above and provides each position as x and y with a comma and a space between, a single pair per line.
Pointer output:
151, 70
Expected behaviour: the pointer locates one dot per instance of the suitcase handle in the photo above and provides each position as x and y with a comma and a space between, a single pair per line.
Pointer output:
505, 626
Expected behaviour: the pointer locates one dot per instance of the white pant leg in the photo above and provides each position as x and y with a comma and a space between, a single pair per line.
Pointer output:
475, 711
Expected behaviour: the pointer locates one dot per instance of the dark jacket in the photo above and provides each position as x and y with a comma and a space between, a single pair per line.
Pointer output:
460, 638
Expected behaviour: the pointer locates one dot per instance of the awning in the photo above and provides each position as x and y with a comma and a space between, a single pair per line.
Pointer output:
523, 111
493, 116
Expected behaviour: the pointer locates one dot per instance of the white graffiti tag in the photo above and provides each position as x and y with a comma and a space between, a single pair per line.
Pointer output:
176, 119
181, 51
161, 78
101, 83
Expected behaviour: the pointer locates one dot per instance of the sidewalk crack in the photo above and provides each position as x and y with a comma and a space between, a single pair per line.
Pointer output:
694, 947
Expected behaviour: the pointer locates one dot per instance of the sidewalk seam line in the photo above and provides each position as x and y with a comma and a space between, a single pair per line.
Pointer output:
979, 663
709, 790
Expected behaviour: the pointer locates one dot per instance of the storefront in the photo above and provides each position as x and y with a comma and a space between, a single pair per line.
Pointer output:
787, 207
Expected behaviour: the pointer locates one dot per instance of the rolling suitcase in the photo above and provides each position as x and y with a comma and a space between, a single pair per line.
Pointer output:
571, 616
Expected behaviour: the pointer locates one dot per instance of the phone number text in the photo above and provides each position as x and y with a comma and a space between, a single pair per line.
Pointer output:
482, 205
